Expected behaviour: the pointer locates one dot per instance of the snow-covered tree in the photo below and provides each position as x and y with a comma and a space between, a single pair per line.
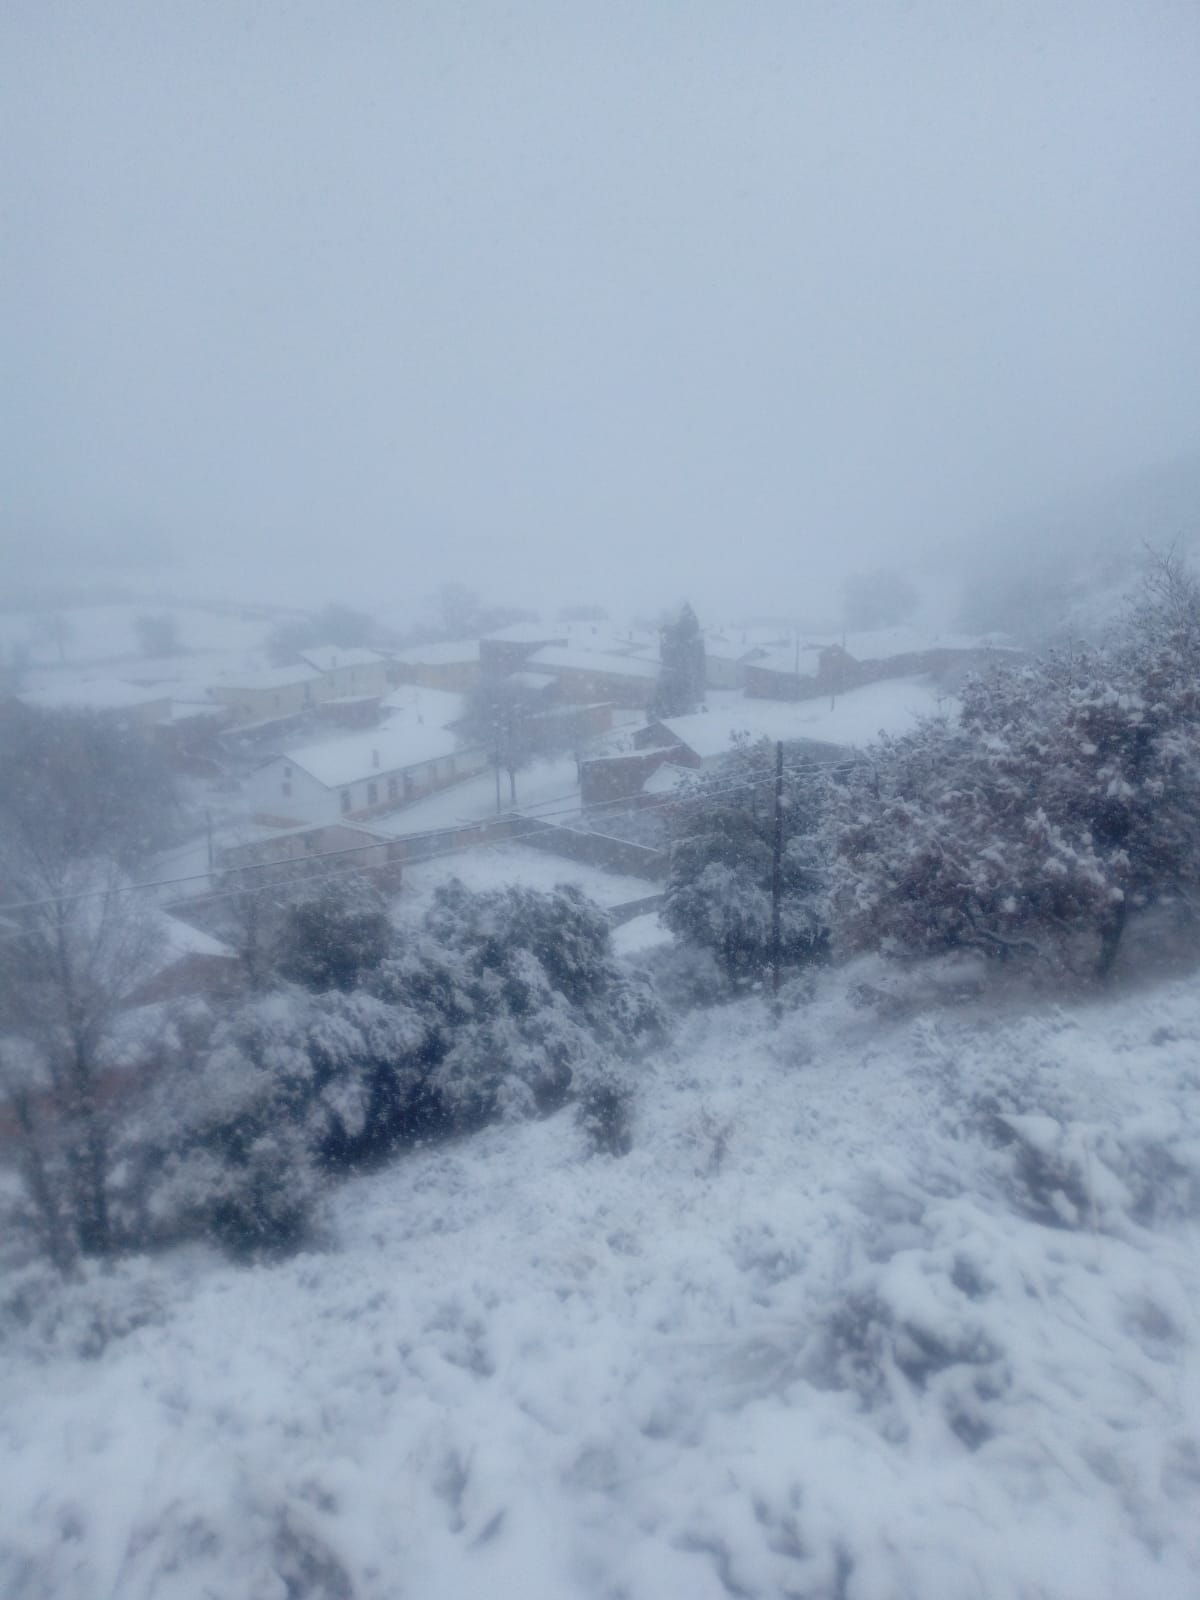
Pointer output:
681, 673
259, 1105
331, 938
1062, 798
76, 786
719, 887
514, 726
77, 948
525, 998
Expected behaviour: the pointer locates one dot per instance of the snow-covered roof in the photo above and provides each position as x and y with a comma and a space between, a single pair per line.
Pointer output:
93, 694
181, 938
668, 777
447, 653
392, 748
729, 650
267, 678
856, 718
437, 708
527, 633
327, 657
593, 661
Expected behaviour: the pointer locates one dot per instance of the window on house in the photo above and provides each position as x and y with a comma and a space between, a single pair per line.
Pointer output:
372, 794
345, 800
286, 787
393, 789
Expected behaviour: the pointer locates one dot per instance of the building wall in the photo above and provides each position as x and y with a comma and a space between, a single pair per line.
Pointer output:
608, 778
722, 672
499, 657
382, 858
285, 794
837, 673
261, 705
367, 678
457, 675
582, 684
595, 849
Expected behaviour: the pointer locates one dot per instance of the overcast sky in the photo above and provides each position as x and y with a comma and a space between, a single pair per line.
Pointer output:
615, 301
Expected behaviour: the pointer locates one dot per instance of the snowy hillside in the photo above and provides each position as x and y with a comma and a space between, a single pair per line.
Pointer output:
880, 1305
1067, 569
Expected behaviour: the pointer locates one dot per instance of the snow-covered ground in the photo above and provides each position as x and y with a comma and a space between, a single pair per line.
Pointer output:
496, 865
874, 1309
76, 636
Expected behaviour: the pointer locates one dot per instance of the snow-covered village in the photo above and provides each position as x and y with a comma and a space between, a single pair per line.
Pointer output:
600, 804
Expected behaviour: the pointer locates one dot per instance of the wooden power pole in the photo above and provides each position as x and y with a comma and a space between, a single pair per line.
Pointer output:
777, 875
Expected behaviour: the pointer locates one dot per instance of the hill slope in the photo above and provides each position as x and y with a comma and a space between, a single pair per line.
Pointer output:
1066, 570
874, 1309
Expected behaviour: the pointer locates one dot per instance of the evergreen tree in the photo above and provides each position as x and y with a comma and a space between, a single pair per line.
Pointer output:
681, 673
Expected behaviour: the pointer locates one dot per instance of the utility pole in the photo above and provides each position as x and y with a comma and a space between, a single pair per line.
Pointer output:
496, 762
777, 875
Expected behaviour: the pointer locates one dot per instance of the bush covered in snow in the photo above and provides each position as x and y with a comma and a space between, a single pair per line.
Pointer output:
523, 999
501, 1005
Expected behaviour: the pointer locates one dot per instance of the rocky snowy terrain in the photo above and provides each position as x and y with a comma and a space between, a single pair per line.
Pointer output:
895, 1298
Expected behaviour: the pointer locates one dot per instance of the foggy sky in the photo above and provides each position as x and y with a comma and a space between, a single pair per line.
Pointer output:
619, 301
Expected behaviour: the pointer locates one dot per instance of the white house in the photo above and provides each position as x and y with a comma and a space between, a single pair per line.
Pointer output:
361, 774
348, 674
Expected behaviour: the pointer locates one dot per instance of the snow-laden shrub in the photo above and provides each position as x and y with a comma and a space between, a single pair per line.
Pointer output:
238, 1130
522, 998
47, 1315
331, 939
605, 1115
501, 1006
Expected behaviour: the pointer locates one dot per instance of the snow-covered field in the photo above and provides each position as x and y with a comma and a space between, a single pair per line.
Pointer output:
875, 1308
77, 636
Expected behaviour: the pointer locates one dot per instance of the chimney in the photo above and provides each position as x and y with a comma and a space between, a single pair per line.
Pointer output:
374, 758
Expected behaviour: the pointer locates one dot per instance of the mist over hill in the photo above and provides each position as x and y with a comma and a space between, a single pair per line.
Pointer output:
1066, 569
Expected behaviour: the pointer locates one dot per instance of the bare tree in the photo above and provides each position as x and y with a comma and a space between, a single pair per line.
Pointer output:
57, 630
77, 948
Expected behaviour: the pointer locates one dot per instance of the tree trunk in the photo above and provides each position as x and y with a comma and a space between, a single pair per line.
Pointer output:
1110, 940
40, 1188
89, 1158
